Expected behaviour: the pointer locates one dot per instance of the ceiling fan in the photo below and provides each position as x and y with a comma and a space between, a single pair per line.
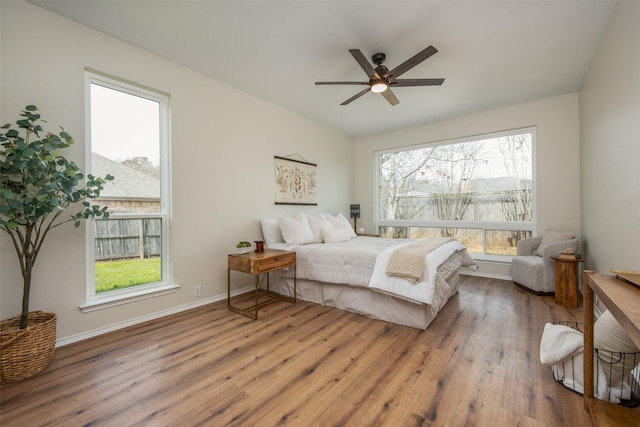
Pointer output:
381, 79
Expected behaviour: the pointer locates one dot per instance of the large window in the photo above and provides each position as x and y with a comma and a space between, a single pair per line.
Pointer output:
478, 190
128, 138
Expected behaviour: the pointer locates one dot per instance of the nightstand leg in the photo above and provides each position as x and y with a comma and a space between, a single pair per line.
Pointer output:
251, 312
255, 306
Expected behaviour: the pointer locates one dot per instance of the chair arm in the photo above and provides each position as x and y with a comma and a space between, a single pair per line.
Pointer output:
554, 249
528, 246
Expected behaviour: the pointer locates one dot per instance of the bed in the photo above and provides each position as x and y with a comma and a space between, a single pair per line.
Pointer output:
350, 275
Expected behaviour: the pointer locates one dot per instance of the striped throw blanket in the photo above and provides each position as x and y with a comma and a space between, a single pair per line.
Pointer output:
408, 261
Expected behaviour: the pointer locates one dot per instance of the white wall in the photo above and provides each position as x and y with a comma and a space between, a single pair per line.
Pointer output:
223, 141
610, 149
557, 157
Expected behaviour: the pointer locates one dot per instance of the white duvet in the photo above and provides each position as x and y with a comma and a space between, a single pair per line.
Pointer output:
349, 262
362, 262
421, 292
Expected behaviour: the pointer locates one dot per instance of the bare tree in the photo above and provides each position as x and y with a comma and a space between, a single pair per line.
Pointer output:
400, 174
142, 164
516, 155
453, 167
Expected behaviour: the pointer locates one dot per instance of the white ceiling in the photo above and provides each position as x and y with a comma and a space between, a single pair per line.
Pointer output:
491, 54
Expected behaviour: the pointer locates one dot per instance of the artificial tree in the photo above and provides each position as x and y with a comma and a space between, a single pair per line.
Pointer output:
37, 186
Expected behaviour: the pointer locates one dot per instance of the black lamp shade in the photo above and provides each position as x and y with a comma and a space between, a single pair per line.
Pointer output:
355, 211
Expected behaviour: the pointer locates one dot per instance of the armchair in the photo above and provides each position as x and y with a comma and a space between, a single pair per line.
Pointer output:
532, 268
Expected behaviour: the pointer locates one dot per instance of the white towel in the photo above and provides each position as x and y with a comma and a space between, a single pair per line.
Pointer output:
571, 373
558, 343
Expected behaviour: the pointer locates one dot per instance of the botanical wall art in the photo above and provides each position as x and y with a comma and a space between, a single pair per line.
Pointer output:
295, 182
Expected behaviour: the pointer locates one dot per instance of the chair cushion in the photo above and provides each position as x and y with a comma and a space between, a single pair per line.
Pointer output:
528, 271
549, 237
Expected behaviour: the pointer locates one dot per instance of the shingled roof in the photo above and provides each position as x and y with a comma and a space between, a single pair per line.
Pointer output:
128, 183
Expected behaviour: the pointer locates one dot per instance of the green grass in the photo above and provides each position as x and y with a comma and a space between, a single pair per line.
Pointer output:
112, 275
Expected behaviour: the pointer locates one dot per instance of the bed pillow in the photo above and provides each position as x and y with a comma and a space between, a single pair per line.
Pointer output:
335, 235
296, 231
317, 225
271, 231
341, 222
550, 237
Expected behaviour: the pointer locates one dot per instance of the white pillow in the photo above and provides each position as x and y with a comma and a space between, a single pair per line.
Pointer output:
317, 225
550, 237
271, 231
296, 231
341, 222
335, 235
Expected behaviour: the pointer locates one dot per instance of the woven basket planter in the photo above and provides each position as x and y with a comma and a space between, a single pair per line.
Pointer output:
27, 352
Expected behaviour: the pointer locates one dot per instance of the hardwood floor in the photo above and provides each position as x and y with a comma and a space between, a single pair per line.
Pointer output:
305, 365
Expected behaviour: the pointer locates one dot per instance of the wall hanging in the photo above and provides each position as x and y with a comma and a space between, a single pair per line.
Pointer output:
295, 182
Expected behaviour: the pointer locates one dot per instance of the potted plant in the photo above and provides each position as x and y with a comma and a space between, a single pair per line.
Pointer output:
37, 187
243, 247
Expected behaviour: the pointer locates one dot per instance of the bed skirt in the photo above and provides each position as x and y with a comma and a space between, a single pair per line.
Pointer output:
364, 301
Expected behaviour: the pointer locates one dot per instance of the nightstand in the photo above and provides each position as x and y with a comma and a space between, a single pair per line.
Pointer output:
256, 263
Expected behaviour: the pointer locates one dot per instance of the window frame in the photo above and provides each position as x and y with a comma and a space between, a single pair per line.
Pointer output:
482, 225
97, 301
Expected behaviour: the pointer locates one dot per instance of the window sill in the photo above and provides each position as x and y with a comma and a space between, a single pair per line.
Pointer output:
100, 302
494, 259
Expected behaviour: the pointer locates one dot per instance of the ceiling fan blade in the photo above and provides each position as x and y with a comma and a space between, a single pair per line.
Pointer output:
364, 64
342, 83
390, 96
356, 96
416, 82
411, 62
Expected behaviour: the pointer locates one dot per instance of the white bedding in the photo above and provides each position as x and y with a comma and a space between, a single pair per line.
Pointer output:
421, 292
349, 262
361, 262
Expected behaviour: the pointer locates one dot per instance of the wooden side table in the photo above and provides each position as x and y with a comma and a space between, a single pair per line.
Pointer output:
567, 292
257, 263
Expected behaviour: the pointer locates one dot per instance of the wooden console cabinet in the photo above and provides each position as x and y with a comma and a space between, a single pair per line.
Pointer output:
623, 301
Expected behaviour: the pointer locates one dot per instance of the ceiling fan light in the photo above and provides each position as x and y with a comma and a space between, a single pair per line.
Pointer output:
379, 86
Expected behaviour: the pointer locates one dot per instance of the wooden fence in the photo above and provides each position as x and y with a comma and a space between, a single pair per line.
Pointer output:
127, 238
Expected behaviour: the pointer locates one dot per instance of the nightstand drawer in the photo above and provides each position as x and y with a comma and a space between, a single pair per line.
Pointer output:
275, 262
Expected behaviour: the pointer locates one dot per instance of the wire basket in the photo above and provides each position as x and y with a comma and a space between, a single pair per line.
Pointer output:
610, 383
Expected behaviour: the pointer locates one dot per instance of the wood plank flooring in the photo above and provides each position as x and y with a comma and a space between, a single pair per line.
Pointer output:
307, 365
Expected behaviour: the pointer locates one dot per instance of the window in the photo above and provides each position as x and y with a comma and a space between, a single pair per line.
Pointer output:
478, 190
127, 137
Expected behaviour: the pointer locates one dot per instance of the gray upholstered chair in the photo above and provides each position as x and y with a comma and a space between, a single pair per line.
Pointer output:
532, 268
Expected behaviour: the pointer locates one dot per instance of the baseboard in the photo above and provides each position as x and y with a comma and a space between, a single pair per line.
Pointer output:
147, 317
468, 272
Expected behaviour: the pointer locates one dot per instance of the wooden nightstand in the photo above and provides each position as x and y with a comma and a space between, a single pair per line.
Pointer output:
257, 263
567, 292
